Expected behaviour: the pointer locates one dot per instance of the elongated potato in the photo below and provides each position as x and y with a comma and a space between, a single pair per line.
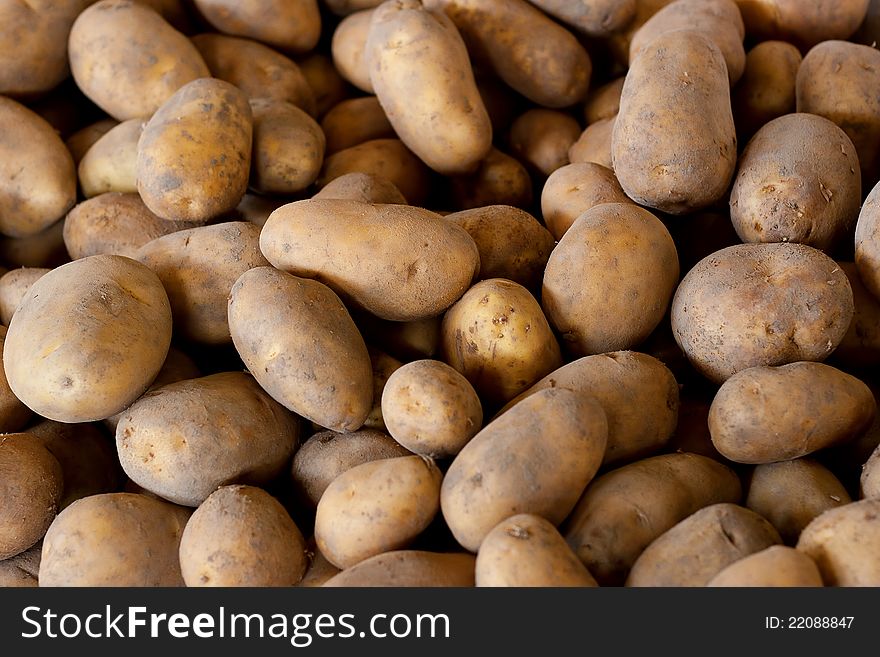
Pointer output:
348, 47
536, 458
803, 24
354, 121
437, 260
290, 25
526, 550
598, 18
409, 568
775, 566
767, 88
14, 285
110, 165
296, 337
683, 158
500, 180
624, 510
83, 139
363, 187
541, 138
594, 144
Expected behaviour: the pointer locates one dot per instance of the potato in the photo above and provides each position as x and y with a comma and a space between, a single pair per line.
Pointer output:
328, 87
438, 261
498, 338
14, 285
701, 234
791, 494
803, 24
241, 536
198, 268
185, 439
88, 338
376, 507
114, 224
383, 367
767, 89
860, 347
869, 483
867, 238
617, 262
598, 18
831, 82
526, 550
22, 570
692, 431
296, 337
128, 60
536, 458
363, 187
638, 393
699, 547
13, 414
683, 158
618, 43
116, 539
575, 188
257, 70
403, 340
30, 485
409, 568
288, 148
43, 249
604, 102
256, 209
500, 180
512, 243
385, 158
843, 543
346, 7
594, 144
354, 121
110, 165
535, 56
348, 48
194, 154
798, 181
541, 138
624, 510
799, 307
774, 566
83, 139
37, 176
289, 25
757, 415
319, 570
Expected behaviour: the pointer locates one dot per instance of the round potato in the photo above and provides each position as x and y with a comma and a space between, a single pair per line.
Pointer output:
319, 570
354, 121
604, 102
499, 180
594, 144
22, 570
767, 88
867, 240
290, 25
409, 568
14, 285
775, 566
328, 87
83, 139
403, 340
348, 48
541, 138
363, 187
43, 249
256, 209
110, 165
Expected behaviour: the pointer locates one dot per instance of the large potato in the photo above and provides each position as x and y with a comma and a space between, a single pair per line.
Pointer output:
597, 18
802, 23
624, 510
767, 88
183, 440
536, 458
354, 121
500, 180
348, 246
88, 338
291, 25
760, 304
409, 568
110, 165
775, 566
348, 47
363, 187
542, 137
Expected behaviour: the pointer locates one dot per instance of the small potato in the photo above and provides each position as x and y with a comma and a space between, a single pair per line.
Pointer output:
31, 482
288, 148
404, 340
869, 483
14, 285
798, 181
512, 243
363, 187
803, 24
43, 249
376, 507
22, 570
431, 409
290, 25
241, 536
296, 337
767, 88
409, 568
575, 188
13, 414
619, 43
257, 70
185, 439
110, 165
541, 138
536, 458
83, 139
37, 175
757, 415
88, 338
319, 570
594, 144
609, 281
497, 336
791, 494
701, 234
354, 121
597, 18
526, 550
799, 307
328, 87
198, 268
843, 543
437, 259
867, 240
701, 546
604, 102
624, 510
116, 539
775, 566
128, 60
348, 48
860, 347
194, 154
383, 367
256, 209
500, 180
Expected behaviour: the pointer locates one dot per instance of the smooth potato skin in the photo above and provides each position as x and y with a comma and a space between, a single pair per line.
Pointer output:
319, 570
598, 18
83, 139
328, 87
604, 102
354, 121
860, 347
869, 483
363, 187
409, 568
767, 89
348, 47
594, 144
499, 180
542, 137
13, 413
776, 566
291, 25
22, 570
867, 254
296, 337
110, 165
14, 285
802, 24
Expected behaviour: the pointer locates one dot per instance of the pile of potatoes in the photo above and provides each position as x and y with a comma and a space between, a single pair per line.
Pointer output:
440, 293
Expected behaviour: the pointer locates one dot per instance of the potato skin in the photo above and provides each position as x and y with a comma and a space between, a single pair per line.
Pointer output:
798, 181
348, 47
699, 547
604, 102
867, 253
767, 89
13, 413
802, 24
22, 570
376, 507
14, 285
328, 87
598, 18
296, 337
542, 137
575, 188
869, 483
683, 158
241, 536
116, 539
499, 180
83, 139
860, 347
554, 439
594, 144
802, 297
363, 187
319, 569
438, 259
290, 25
37, 176
185, 439
757, 415
775, 566
526, 550
97, 330
409, 568
354, 121
110, 165
128, 60
624, 510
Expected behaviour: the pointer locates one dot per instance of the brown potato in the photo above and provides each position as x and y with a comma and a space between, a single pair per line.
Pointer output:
594, 144
346, 7
22, 570
500, 180
383, 367
767, 89
869, 483
867, 239
803, 24
13, 413
348, 48
701, 234
14, 285
319, 570
598, 18
860, 347
775, 566
354, 121
290, 25
43, 249
403, 340
256, 209
110, 165
409, 568
328, 87
618, 43
83, 139
604, 102
363, 187
541, 138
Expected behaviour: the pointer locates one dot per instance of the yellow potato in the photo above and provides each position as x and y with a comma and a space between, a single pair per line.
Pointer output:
410, 568
542, 138
354, 121
83, 139
363, 187
776, 566
500, 180
767, 88
594, 144
291, 25
14, 286
349, 49
328, 87
604, 102
110, 165
870, 479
